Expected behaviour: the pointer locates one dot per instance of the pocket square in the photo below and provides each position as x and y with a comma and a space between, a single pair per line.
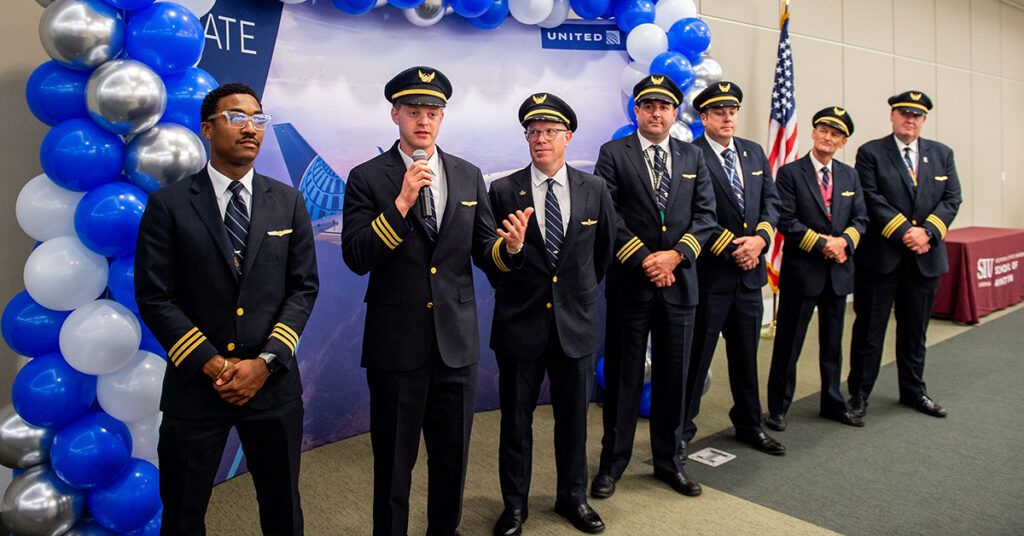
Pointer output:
942, 177
848, 193
689, 175
588, 222
282, 232
469, 203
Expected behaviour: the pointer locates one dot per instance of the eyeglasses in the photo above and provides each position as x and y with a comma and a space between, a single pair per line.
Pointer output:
549, 133
239, 119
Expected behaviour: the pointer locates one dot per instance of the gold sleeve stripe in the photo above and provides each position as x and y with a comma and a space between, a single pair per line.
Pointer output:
766, 227
723, 240
691, 241
807, 242
631, 247
496, 255
853, 234
283, 337
184, 351
182, 341
938, 225
893, 224
287, 331
385, 232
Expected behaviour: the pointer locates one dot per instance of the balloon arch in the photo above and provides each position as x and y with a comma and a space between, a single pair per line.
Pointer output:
122, 95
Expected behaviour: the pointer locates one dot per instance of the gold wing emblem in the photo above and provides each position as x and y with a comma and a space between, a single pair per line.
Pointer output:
469, 203
279, 233
848, 193
838, 111
426, 78
588, 222
724, 87
915, 96
657, 80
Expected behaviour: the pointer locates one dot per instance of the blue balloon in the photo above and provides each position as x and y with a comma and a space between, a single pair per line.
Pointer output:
631, 13
80, 155
589, 9
185, 94
149, 529
600, 372
165, 36
89, 527
49, 393
131, 501
645, 401
92, 451
624, 130
130, 4
697, 128
355, 7
121, 282
629, 106
29, 328
470, 8
493, 17
674, 65
149, 342
610, 12
691, 37
107, 218
56, 93
405, 4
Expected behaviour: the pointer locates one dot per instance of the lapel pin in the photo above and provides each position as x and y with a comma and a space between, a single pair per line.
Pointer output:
522, 192
925, 158
744, 154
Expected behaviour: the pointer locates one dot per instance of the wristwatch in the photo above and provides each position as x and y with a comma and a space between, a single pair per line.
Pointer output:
271, 360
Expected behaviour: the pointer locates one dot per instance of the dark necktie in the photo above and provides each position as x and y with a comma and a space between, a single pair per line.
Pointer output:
661, 178
236, 219
430, 220
729, 156
910, 164
825, 180
552, 224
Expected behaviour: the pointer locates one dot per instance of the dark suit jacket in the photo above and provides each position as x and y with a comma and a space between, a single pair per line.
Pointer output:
894, 205
419, 290
689, 218
802, 217
526, 300
761, 212
197, 305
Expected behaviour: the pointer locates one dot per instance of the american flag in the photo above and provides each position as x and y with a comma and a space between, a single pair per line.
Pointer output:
781, 131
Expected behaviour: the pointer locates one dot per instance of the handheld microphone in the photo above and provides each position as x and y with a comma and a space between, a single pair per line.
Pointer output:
425, 205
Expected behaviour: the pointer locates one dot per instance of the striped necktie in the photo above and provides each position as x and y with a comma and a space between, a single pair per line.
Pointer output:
910, 164
825, 180
552, 224
236, 219
729, 156
661, 178
430, 220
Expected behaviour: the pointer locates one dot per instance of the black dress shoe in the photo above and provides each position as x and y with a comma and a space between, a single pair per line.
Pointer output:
858, 406
603, 486
926, 405
510, 523
582, 516
680, 482
776, 422
846, 417
762, 442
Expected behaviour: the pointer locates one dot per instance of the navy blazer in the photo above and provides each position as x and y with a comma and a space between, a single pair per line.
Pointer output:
640, 227
420, 291
803, 217
192, 298
526, 300
895, 205
760, 215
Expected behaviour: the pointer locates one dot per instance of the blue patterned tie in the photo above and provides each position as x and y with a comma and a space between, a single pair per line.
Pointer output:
825, 180
910, 164
431, 220
552, 224
734, 178
662, 178
236, 219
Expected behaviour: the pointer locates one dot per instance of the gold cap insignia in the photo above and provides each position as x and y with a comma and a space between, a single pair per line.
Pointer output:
915, 96
657, 80
540, 99
839, 111
724, 87
427, 78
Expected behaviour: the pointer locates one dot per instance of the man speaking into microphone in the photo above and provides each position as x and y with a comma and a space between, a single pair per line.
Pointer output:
413, 217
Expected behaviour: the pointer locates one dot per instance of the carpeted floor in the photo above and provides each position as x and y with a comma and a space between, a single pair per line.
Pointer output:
906, 469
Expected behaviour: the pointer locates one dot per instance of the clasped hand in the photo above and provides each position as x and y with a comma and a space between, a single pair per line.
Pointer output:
748, 251
240, 380
916, 238
660, 265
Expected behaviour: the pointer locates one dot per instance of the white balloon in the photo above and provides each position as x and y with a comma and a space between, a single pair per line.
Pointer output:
669, 12
62, 274
132, 392
559, 12
645, 42
428, 13
632, 74
45, 210
530, 11
197, 7
100, 337
145, 435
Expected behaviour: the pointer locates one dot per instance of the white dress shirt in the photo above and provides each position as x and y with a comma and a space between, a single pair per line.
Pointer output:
439, 186
645, 146
221, 182
540, 191
718, 152
913, 152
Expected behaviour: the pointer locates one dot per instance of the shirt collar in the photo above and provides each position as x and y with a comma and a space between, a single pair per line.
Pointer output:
646, 144
432, 162
221, 181
539, 177
718, 148
900, 145
819, 165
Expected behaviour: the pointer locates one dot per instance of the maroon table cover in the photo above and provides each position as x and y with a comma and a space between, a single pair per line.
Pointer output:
986, 273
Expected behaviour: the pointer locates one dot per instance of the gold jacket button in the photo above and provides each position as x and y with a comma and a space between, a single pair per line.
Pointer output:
554, 279
433, 270
548, 305
663, 228
430, 305
240, 311
744, 225
231, 346
913, 222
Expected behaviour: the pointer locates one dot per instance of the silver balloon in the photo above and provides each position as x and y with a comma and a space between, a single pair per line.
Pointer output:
688, 97
21, 444
44, 3
125, 96
681, 131
708, 71
163, 154
81, 34
687, 115
38, 503
428, 13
